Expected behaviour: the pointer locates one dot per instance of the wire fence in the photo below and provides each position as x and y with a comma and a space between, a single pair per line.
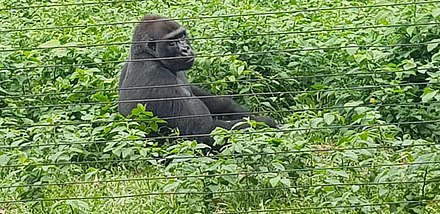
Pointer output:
222, 55
361, 139
358, 74
226, 16
225, 37
217, 96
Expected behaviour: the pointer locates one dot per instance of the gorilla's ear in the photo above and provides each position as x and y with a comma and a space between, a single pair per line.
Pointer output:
151, 45
144, 46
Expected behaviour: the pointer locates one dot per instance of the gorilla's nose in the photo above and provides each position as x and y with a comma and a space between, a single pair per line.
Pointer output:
186, 51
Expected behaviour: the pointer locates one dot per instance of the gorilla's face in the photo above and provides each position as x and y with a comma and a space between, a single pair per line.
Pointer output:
163, 39
179, 49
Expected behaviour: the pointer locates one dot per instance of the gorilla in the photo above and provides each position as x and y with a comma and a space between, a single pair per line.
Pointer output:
153, 63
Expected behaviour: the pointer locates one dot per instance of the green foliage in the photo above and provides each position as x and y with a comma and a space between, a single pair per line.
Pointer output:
355, 89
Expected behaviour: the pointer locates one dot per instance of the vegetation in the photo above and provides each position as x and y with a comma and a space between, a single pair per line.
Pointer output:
354, 83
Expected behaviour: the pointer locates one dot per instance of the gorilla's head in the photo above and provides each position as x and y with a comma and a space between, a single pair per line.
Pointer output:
148, 42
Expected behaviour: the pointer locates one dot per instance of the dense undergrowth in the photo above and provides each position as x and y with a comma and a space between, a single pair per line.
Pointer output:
359, 108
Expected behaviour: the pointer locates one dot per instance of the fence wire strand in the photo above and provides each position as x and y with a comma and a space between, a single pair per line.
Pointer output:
205, 135
336, 207
355, 74
245, 171
289, 50
215, 192
68, 4
225, 37
203, 193
359, 88
59, 124
222, 16
69, 142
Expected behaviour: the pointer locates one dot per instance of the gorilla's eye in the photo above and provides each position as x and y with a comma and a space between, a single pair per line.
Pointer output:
172, 43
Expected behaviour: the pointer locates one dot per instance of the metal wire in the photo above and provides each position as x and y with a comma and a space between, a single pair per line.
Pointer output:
225, 54
357, 74
335, 207
67, 142
213, 176
151, 194
254, 94
223, 16
68, 4
59, 124
359, 88
204, 135
224, 37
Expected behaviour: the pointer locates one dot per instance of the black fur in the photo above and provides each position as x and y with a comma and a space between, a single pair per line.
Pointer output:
172, 72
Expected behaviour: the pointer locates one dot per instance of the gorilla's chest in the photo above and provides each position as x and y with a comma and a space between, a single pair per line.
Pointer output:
185, 88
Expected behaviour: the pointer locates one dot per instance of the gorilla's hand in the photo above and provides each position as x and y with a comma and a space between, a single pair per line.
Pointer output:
269, 121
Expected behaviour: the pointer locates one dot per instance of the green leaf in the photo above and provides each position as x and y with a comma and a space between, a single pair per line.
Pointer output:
383, 192
316, 121
431, 47
4, 159
355, 188
171, 187
230, 167
285, 182
360, 58
352, 50
154, 126
100, 97
351, 155
329, 118
353, 104
425, 158
55, 157
339, 173
126, 152
361, 110
244, 90
410, 64
318, 86
240, 70
428, 95
138, 110
332, 181
143, 152
433, 44
407, 142
78, 205
51, 43
278, 166
293, 64
60, 52
274, 181
436, 12
267, 104
3, 91
410, 30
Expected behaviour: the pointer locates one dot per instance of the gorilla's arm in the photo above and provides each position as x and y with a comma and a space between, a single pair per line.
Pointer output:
220, 105
123, 74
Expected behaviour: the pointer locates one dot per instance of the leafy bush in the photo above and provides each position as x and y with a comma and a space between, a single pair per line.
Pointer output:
355, 87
